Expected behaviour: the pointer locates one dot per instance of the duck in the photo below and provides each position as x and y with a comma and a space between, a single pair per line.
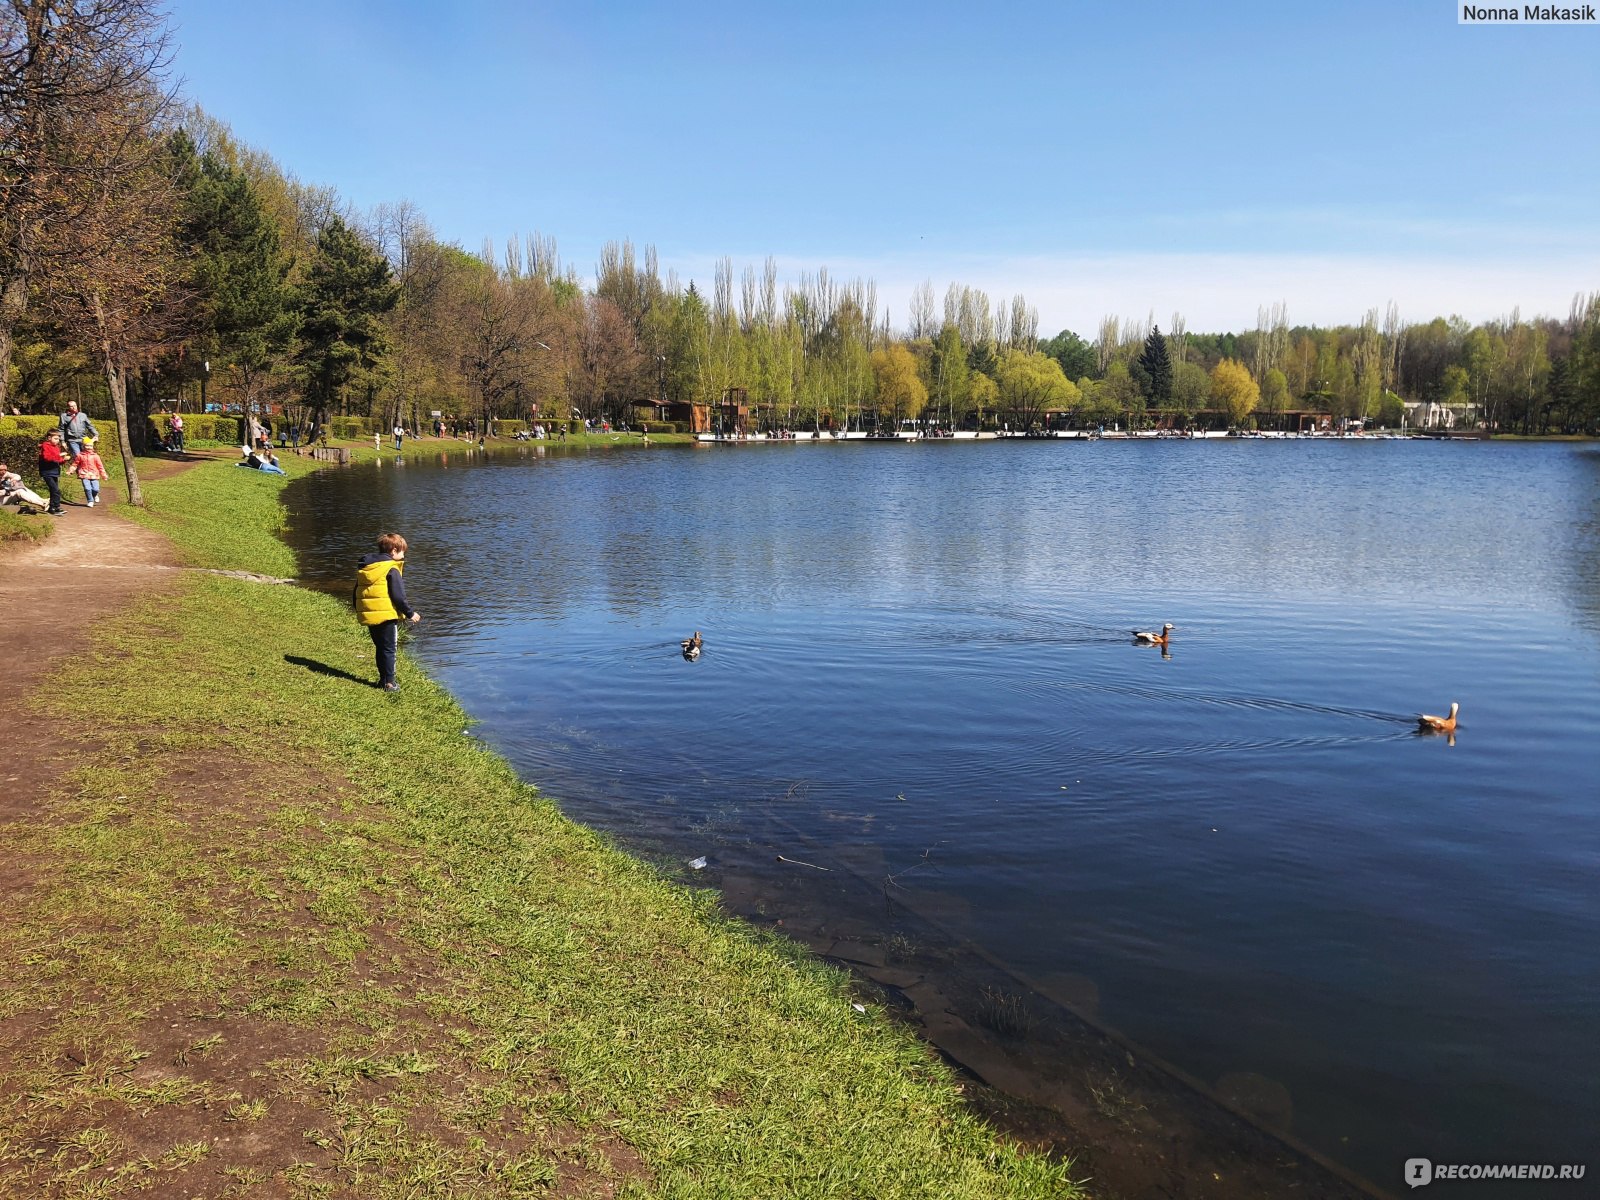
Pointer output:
1154, 639
1428, 723
691, 646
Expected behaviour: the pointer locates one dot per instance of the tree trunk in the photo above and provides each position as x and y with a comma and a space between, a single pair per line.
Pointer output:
13, 302
139, 419
116, 380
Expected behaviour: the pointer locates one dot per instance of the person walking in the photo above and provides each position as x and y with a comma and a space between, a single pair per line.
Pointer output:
175, 432
399, 435
52, 457
90, 470
380, 603
75, 426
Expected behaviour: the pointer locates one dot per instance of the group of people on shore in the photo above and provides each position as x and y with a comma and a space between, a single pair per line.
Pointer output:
67, 448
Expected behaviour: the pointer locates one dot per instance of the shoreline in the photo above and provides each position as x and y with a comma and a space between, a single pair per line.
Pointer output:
1049, 1091
1141, 1113
270, 928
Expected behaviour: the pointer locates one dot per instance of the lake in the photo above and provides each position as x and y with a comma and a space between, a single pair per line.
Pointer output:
918, 675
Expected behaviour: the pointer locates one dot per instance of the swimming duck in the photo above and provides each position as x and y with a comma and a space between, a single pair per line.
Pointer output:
1154, 639
1431, 724
691, 646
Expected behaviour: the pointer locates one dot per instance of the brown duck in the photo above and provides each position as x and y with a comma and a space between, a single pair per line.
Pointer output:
1432, 724
1143, 638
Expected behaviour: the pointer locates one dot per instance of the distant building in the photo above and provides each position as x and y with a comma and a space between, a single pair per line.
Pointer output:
1430, 414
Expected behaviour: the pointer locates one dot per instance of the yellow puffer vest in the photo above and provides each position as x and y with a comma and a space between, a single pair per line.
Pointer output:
373, 606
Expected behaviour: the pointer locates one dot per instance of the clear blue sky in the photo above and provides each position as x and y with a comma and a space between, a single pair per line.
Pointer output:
1098, 158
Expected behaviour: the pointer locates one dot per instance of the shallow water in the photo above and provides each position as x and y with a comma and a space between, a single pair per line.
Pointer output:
917, 665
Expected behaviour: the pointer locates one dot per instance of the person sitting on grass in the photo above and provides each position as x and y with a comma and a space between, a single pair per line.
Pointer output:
13, 491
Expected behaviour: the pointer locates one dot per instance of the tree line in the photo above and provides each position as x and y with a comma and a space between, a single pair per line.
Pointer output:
146, 253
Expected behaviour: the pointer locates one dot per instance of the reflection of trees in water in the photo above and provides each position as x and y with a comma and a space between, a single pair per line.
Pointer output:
1583, 543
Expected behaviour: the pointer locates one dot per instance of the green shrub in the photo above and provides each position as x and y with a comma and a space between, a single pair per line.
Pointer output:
20, 438
353, 428
20, 452
201, 427
37, 424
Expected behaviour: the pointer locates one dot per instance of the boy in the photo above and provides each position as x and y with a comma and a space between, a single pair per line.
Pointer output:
380, 600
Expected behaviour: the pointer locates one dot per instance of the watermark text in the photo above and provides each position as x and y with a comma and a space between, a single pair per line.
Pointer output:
1421, 1171
1526, 14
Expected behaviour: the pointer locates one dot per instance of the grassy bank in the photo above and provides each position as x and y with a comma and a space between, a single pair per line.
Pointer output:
292, 932
16, 526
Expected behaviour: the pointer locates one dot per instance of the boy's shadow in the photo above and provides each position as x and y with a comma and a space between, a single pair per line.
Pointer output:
322, 668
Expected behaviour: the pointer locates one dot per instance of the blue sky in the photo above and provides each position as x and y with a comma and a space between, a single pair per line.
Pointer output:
1097, 158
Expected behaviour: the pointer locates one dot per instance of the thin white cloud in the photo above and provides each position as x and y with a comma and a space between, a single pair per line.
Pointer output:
1460, 235
1219, 292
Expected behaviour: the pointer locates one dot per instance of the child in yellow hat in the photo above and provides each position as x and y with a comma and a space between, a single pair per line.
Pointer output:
90, 470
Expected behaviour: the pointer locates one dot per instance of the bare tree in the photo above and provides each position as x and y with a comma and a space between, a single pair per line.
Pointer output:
922, 311
71, 130
1366, 357
1394, 339
769, 292
1272, 339
1023, 331
974, 317
109, 279
1106, 344
722, 295
749, 299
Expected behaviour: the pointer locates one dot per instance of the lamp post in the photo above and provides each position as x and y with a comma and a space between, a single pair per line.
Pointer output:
534, 410
661, 385
205, 374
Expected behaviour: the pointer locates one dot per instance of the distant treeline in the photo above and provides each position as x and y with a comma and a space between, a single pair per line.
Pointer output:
146, 254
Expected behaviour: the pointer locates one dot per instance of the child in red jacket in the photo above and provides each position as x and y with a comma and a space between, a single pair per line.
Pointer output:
52, 457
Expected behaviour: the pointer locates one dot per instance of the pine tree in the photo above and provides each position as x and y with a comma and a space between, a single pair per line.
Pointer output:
347, 290
1157, 364
238, 268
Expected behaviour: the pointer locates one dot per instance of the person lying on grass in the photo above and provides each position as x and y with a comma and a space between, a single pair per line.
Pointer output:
12, 491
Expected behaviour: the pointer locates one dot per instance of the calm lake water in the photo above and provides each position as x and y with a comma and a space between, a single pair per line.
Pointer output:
917, 665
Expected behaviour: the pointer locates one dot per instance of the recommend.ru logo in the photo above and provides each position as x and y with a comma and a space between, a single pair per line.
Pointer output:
1420, 1171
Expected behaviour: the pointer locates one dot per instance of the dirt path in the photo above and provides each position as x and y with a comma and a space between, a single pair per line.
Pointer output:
51, 592
93, 563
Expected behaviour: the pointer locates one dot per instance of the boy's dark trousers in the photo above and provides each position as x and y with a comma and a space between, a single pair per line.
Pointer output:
52, 480
385, 638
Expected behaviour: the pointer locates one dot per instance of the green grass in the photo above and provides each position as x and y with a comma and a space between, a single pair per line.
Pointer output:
16, 525
485, 998
223, 516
